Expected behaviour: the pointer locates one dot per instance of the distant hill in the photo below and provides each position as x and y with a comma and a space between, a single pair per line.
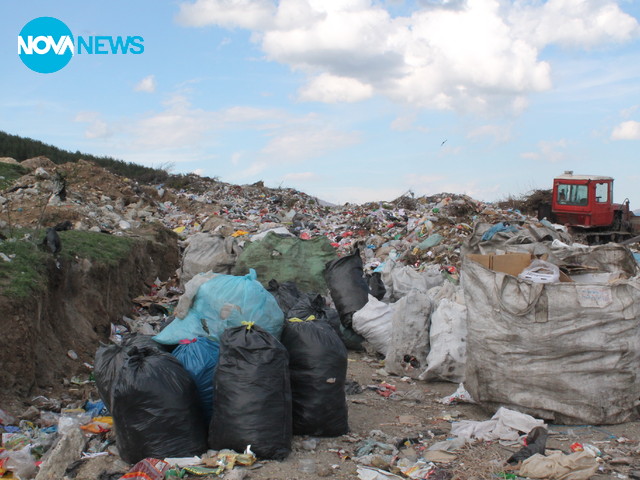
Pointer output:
22, 148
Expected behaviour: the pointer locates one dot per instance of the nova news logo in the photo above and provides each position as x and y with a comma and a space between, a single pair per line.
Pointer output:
46, 45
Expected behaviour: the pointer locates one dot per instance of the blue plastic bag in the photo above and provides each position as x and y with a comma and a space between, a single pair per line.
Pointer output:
498, 227
222, 302
199, 357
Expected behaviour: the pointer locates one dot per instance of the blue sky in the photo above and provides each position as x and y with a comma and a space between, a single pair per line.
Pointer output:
349, 100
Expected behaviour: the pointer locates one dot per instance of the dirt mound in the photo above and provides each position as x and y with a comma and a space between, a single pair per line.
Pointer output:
36, 162
83, 296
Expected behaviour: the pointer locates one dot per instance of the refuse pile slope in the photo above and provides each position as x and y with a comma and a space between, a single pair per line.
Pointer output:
271, 287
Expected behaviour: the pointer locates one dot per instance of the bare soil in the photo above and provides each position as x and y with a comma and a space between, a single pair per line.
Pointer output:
414, 420
414, 413
73, 314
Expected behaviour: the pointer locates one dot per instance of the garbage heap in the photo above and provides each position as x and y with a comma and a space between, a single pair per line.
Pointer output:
247, 345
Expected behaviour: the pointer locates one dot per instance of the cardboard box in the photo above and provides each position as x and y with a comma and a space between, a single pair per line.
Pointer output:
511, 263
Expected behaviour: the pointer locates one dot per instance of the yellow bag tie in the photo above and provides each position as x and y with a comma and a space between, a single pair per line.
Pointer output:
248, 324
299, 320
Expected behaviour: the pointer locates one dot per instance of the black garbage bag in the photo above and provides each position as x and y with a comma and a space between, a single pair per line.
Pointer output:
332, 317
349, 289
110, 358
156, 409
252, 405
286, 294
318, 370
315, 304
536, 443
376, 285
307, 304
351, 339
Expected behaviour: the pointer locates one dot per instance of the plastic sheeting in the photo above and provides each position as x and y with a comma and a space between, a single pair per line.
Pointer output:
288, 259
506, 425
558, 466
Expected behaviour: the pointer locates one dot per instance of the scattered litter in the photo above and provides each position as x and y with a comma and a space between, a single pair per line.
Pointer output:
459, 396
557, 465
505, 425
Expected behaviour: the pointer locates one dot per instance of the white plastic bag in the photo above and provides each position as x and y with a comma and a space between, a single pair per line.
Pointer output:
208, 252
374, 322
540, 271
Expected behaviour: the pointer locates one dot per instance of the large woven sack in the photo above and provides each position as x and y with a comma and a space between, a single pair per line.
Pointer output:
568, 352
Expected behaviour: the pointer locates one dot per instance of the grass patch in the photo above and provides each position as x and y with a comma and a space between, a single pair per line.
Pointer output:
9, 172
25, 274
98, 247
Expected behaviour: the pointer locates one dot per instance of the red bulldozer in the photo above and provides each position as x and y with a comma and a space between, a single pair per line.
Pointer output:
584, 203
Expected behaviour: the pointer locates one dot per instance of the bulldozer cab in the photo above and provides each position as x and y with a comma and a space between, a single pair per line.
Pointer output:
583, 200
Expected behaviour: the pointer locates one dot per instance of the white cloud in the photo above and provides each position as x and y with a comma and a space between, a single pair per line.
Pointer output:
306, 141
272, 137
254, 169
97, 127
86, 116
147, 84
228, 13
178, 125
500, 133
235, 158
549, 151
530, 155
477, 189
301, 177
424, 181
198, 171
332, 89
629, 130
405, 123
574, 23
466, 55
355, 194
628, 112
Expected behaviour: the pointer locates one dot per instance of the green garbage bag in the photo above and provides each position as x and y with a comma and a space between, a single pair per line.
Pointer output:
288, 259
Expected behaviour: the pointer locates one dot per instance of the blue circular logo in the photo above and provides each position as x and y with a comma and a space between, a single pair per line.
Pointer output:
45, 45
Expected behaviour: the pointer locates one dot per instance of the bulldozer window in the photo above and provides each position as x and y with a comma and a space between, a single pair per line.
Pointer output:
602, 192
569, 194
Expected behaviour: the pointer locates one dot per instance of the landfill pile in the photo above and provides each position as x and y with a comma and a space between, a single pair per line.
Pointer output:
302, 339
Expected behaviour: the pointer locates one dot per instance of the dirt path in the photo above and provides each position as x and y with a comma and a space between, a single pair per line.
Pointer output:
414, 413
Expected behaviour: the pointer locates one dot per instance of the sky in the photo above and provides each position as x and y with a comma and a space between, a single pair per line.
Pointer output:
347, 100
